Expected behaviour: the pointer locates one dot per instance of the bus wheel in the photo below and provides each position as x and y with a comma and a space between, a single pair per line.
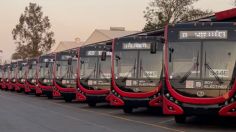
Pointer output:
68, 100
180, 119
50, 96
127, 109
91, 104
38, 95
18, 91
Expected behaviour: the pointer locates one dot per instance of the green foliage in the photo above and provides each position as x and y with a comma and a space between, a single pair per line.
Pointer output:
162, 12
32, 34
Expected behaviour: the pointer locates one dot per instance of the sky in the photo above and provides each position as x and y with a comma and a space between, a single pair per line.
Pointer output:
78, 18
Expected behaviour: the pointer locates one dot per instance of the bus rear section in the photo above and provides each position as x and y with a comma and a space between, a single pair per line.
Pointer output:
94, 73
13, 75
200, 71
136, 72
65, 75
32, 76
45, 75
21, 75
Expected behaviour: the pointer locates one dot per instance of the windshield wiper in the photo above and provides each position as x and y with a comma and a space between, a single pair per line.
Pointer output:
196, 64
102, 73
146, 74
212, 71
90, 74
130, 71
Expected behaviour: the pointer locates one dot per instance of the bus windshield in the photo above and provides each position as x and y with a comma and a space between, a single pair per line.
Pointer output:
66, 74
46, 73
12, 73
138, 70
206, 66
94, 73
32, 72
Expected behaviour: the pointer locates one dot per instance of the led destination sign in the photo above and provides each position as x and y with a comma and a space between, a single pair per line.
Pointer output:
216, 34
136, 45
96, 53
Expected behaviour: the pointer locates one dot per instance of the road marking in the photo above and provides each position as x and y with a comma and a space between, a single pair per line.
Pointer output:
121, 118
109, 115
162, 122
66, 116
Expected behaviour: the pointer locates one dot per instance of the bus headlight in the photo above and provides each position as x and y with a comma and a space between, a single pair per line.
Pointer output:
63, 81
33, 81
45, 81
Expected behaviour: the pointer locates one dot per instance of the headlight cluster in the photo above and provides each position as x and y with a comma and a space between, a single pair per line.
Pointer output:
115, 93
65, 82
155, 96
22, 80
33, 80
229, 101
14, 80
172, 99
47, 81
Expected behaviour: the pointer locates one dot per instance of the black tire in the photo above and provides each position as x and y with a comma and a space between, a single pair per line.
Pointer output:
92, 104
37, 95
68, 100
18, 91
128, 110
50, 96
180, 119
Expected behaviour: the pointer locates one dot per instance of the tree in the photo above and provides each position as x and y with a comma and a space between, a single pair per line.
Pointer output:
162, 12
32, 34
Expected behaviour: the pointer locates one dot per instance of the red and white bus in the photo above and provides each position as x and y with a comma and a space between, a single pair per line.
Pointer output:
6, 74
136, 72
32, 76
21, 75
45, 75
199, 65
13, 75
65, 74
94, 73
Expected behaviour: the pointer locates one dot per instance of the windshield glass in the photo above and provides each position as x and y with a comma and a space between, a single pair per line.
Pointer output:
88, 67
94, 73
126, 64
66, 71
204, 70
66, 74
12, 73
32, 72
6, 73
46, 73
138, 70
21, 72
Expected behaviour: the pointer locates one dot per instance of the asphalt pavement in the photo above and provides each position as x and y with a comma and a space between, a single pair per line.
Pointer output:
27, 113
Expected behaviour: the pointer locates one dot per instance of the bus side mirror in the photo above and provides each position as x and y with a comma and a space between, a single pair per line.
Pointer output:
171, 51
58, 65
30, 66
153, 48
104, 55
70, 61
47, 64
